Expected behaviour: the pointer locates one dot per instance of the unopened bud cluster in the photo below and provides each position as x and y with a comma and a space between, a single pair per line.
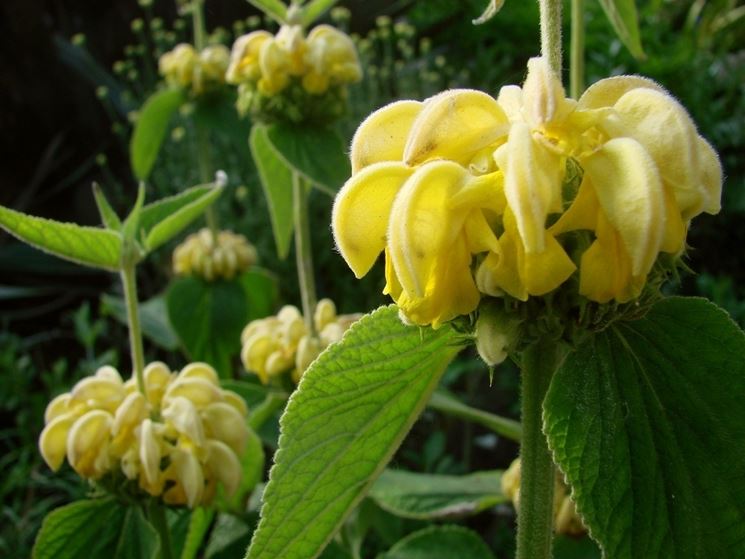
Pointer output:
281, 343
221, 256
177, 441
197, 72
291, 77
566, 519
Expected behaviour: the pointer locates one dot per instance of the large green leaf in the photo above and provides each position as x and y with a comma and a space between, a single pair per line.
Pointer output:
318, 154
151, 128
276, 180
625, 21
440, 542
352, 409
91, 246
431, 496
208, 318
96, 529
646, 420
166, 218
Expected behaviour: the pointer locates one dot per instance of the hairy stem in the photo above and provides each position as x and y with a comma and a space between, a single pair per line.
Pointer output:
551, 33
303, 251
129, 280
537, 475
577, 50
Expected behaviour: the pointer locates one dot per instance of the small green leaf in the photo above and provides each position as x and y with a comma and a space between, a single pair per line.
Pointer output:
440, 542
492, 9
276, 180
90, 246
646, 421
108, 216
132, 223
183, 209
96, 529
318, 154
199, 524
431, 496
625, 21
273, 8
150, 129
208, 318
315, 9
228, 539
352, 409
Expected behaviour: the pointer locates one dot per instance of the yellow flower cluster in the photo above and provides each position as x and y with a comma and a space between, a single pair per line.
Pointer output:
200, 72
470, 195
213, 257
274, 345
178, 440
566, 519
293, 77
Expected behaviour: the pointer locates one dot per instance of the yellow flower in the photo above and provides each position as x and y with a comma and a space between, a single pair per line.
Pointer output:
244, 57
184, 436
211, 257
331, 59
210, 71
282, 343
177, 66
468, 195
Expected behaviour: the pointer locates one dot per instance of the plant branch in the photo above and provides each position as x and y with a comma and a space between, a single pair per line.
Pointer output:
577, 50
129, 281
551, 33
303, 251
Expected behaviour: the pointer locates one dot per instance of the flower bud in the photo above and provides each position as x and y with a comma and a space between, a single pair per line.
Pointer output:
497, 331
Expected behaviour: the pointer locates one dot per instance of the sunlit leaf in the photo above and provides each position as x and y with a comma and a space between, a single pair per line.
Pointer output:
492, 9
349, 414
273, 8
315, 9
90, 246
625, 21
108, 216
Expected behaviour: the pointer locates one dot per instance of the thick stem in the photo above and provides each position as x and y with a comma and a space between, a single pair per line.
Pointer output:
197, 19
129, 281
303, 251
157, 513
551, 33
577, 50
537, 475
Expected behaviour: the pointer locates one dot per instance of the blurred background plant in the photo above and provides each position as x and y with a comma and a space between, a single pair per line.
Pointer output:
75, 76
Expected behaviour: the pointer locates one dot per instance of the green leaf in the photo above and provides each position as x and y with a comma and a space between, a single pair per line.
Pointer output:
228, 539
131, 224
90, 246
163, 220
108, 216
347, 417
317, 153
646, 421
261, 290
153, 319
492, 9
440, 542
431, 496
625, 21
315, 9
199, 524
273, 8
151, 127
96, 529
276, 180
208, 318
571, 547
253, 392
217, 113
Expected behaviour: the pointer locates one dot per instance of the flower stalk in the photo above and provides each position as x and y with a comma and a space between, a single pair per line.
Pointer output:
577, 50
535, 515
303, 251
129, 281
550, 13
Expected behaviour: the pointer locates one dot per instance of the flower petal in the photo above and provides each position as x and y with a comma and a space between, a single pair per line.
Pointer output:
711, 177
87, 443
53, 439
223, 422
544, 99
224, 465
532, 184
362, 210
630, 193
382, 135
455, 125
663, 127
183, 416
606, 92
422, 225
